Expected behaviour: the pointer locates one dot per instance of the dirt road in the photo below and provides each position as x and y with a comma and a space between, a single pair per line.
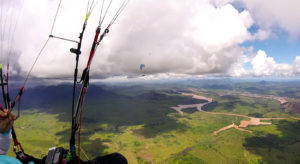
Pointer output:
231, 126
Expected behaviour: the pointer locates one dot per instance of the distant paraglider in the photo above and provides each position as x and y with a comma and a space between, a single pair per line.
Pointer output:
142, 66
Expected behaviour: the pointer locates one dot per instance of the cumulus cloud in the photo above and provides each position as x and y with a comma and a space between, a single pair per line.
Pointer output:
264, 65
297, 64
276, 13
187, 37
262, 34
238, 69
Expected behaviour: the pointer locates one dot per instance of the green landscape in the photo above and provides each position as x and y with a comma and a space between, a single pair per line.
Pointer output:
138, 122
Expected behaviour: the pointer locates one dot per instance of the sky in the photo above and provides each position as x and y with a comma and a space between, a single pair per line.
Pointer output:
172, 38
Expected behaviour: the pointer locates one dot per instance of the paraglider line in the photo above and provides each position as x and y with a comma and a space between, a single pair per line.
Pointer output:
105, 12
101, 12
36, 59
55, 17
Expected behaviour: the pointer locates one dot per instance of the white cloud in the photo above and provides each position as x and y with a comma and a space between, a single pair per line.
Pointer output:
238, 69
285, 70
276, 13
193, 37
187, 37
220, 3
219, 28
262, 34
263, 65
297, 64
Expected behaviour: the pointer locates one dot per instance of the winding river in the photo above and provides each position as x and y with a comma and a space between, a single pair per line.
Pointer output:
243, 124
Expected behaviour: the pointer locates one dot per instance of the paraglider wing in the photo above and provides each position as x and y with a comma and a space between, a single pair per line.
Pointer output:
142, 66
